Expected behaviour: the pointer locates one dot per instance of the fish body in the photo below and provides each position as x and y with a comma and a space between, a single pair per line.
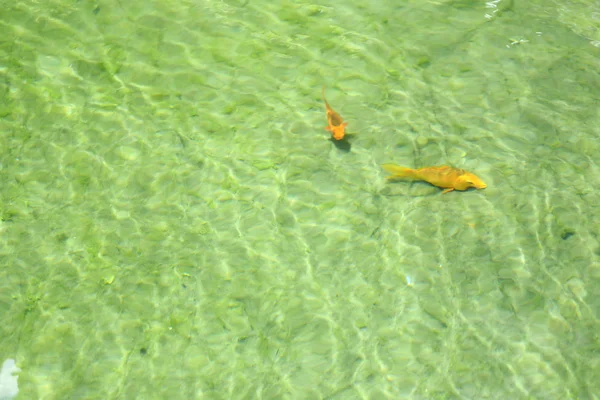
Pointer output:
445, 177
336, 124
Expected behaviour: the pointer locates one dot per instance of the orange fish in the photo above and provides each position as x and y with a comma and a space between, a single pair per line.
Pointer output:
445, 177
336, 123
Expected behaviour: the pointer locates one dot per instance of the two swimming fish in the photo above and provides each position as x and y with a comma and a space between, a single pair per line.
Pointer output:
448, 178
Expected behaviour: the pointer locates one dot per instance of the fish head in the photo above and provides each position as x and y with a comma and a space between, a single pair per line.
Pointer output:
338, 131
469, 180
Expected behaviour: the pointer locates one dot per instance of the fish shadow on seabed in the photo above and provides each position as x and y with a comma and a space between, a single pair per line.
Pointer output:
343, 144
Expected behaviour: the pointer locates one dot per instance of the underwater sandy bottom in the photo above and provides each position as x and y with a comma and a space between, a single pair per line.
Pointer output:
176, 223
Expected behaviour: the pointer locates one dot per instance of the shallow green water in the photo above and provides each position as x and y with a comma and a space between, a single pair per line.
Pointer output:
175, 222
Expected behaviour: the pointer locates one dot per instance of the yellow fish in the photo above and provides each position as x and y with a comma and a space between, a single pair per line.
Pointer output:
336, 124
445, 177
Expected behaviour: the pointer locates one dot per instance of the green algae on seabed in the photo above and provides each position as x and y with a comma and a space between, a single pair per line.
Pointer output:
172, 208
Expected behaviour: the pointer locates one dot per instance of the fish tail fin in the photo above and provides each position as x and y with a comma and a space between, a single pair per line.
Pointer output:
398, 171
323, 96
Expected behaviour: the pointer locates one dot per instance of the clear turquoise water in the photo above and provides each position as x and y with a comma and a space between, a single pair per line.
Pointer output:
176, 224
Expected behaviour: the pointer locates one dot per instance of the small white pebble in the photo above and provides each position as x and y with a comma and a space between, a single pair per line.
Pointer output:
9, 387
